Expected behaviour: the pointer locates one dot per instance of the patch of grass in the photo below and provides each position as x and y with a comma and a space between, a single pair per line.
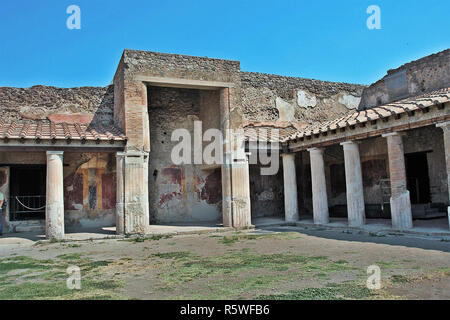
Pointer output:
228, 287
27, 278
238, 237
180, 255
56, 290
445, 270
333, 291
149, 238
70, 256
398, 278
387, 264
89, 266
20, 262
229, 240
244, 261
73, 245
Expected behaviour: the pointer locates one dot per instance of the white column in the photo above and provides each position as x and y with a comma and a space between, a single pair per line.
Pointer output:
446, 128
54, 210
400, 202
319, 187
120, 192
290, 188
227, 197
354, 185
136, 214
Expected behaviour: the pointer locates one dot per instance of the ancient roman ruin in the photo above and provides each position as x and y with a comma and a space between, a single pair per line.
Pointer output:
88, 157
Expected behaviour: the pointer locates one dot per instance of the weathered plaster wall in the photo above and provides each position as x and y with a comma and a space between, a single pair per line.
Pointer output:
180, 193
43, 103
411, 79
89, 188
267, 97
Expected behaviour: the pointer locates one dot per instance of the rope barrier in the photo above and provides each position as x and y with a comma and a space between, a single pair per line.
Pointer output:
32, 209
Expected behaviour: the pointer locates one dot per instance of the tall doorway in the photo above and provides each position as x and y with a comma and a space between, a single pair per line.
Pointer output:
27, 193
418, 180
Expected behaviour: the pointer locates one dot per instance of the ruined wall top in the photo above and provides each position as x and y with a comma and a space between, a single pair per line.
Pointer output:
256, 96
84, 104
147, 63
268, 97
411, 79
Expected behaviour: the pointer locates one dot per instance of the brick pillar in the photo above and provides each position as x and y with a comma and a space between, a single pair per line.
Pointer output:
290, 188
54, 210
446, 128
400, 201
131, 115
354, 185
319, 187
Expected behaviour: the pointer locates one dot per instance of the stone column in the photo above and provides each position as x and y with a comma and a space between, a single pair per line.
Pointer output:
290, 188
354, 185
54, 210
136, 214
319, 187
227, 161
446, 128
120, 192
236, 209
240, 194
400, 202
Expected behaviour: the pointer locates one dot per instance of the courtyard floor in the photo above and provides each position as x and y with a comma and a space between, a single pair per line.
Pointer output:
272, 262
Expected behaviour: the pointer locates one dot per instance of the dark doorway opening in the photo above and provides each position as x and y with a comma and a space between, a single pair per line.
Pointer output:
418, 180
27, 193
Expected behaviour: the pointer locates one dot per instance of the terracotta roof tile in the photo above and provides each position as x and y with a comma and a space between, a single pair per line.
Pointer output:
60, 131
394, 108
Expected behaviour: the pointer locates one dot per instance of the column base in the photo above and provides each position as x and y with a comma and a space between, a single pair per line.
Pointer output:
120, 227
401, 214
448, 213
322, 219
136, 218
293, 218
356, 219
356, 223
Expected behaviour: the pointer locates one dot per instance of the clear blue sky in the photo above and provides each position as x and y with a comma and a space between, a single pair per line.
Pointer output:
326, 40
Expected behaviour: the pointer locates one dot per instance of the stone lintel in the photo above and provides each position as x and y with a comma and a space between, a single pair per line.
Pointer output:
391, 134
183, 83
55, 153
443, 125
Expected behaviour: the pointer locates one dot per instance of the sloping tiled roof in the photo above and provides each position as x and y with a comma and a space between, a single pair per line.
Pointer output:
265, 131
408, 105
59, 131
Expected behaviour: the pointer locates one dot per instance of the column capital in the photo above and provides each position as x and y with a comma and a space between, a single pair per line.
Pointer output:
315, 150
391, 134
132, 153
55, 153
443, 125
349, 142
288, 155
